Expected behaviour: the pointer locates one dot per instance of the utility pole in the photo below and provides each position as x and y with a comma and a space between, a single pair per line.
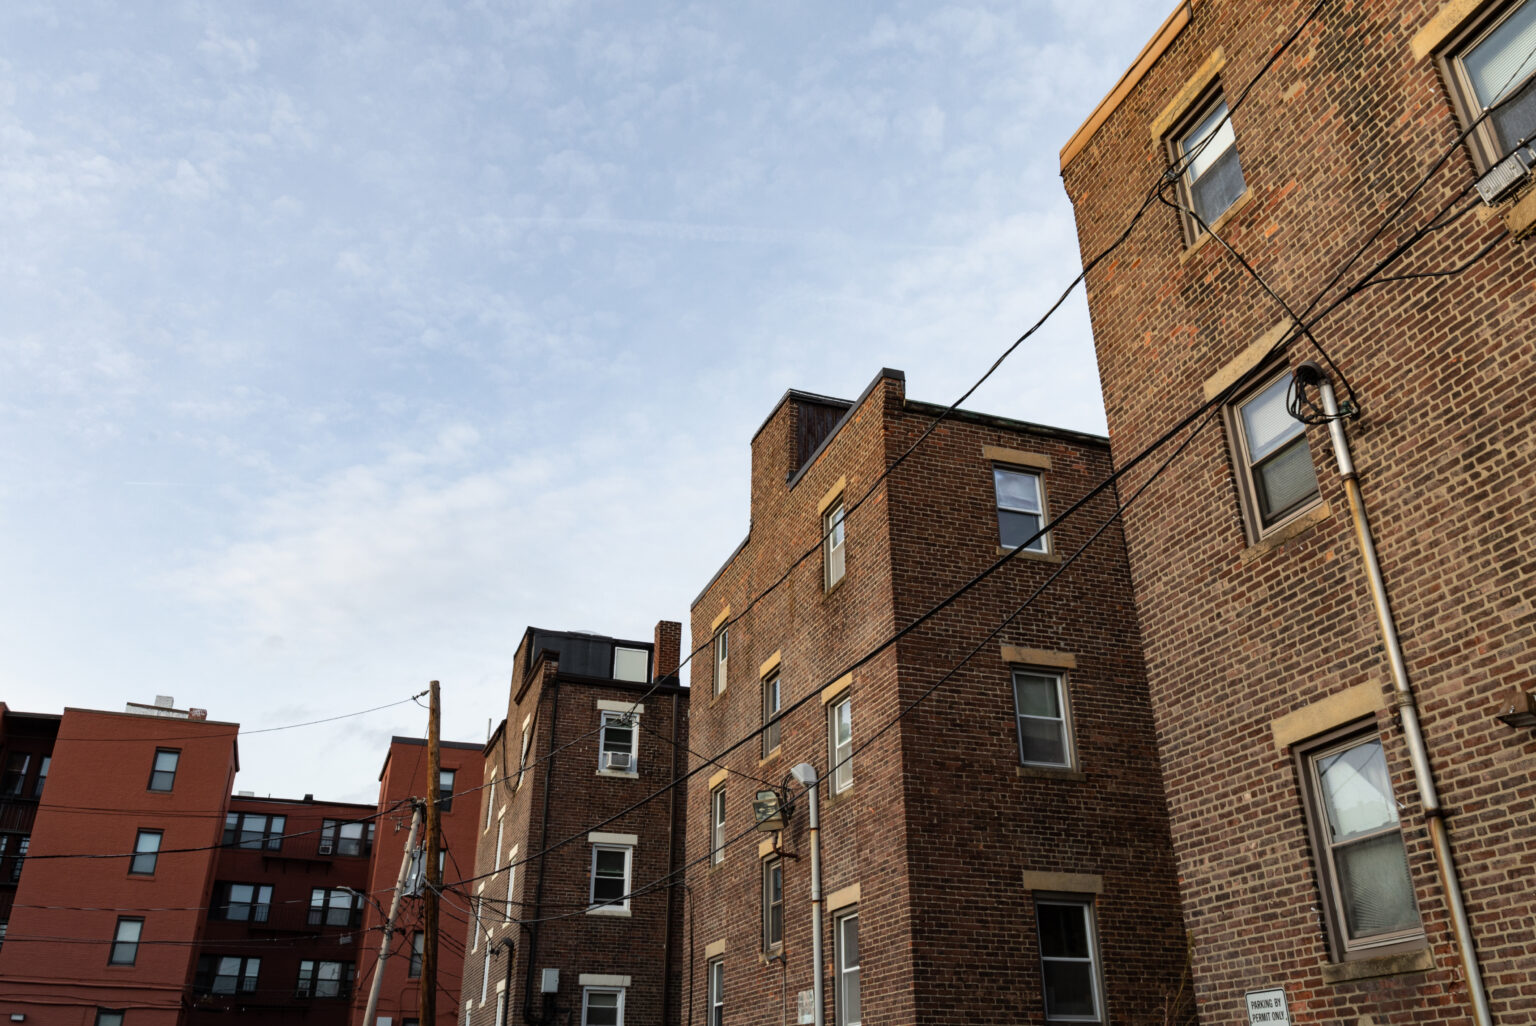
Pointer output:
389, 924
428, 992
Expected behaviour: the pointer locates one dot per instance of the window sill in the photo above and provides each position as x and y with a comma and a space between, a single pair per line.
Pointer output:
1051, 773
770, 757
609, 910
1287, 532
1039, 557
773, 954
624, 774
716, 697
1218, 224
829, 592
1399, 964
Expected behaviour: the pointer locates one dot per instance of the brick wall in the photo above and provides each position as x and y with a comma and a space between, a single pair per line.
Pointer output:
1238, 636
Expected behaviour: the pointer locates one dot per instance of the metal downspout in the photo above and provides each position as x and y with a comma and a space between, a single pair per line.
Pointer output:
1418, 753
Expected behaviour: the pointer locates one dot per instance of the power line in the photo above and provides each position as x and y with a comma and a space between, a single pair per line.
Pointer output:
200, 735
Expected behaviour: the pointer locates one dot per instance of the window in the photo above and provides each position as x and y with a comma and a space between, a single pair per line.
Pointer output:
485, 976
324, 979
109, 1017
496, 851
125, 942
1068, 959
490, 804
1275, 476
771, 707
338, 838
226, 974
616, 747
245, 903
602, 1006
334, 906
18, 844
722, 658
1363, 869
717, 825
1492, 61
42, 776
15, 777
773, 904
716, 997
162, 777
1206, 148
501, 1008
832, 544
1039, 701
511, 882
414, 970
254, 831
845, 936
633, 664
445, 778
610, 876
1020, 509
522, 759
146, 852
840, 742
4, 928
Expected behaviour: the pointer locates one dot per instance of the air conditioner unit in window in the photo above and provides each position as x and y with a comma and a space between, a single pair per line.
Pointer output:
618, 761
325, 849
1504, 176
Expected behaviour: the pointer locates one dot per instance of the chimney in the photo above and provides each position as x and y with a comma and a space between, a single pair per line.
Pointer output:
669, 643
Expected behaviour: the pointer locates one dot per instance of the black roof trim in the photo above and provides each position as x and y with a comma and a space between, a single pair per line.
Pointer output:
810, 461
716, 576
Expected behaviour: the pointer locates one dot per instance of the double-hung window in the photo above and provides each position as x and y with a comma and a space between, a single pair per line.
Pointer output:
1491, 66
253, 830
773, 904
845, 933
602, 1006
445, 779
246, 903
226, 974
413, 971
146, 852
715, 1016
162, 774
832, 544
717, 825
522, 757
324, 979
125, 942
340, 838
15, 778
42, 776
772, 705
1040, 703
1275, 474
840, 742
616, 746
1020, 509
334, 906
722, 658
1069, 963
610, 876
1204, 148
1362, 866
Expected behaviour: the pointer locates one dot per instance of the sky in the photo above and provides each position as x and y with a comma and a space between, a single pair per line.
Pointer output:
339, 342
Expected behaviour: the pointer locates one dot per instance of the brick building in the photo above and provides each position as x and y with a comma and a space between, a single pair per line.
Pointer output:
572, 911
1000, 854
1303, 817
218, 904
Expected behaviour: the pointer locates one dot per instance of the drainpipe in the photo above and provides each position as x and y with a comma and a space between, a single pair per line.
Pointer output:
1407, 708
805, 773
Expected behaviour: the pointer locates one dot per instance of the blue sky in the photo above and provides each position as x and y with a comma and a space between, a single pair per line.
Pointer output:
341, 341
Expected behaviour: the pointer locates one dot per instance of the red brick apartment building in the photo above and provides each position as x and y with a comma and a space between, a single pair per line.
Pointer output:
1290, 688
1000, 853
574, 909
210, 905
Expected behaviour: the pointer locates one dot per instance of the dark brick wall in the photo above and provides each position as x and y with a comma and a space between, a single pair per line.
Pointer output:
942, 823
1237, 636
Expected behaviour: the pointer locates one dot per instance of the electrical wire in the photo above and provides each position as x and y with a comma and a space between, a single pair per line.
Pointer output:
199, 734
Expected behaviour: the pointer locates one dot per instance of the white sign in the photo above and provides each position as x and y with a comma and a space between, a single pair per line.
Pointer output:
1268, 1008
807, 1008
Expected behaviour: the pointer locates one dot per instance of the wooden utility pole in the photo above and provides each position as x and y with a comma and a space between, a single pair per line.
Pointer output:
428, 991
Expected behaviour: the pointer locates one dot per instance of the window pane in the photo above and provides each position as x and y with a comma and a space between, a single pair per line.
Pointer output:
1219, 188
1286, 480
1356, 791
1516, 120
1041, 741
1036, 695
1267, 424
1374, 886
1063, 931
617, 735
1014, 529
1068, 988
602, 1008
1202, 154
1505, 58
631, 664
1017, 490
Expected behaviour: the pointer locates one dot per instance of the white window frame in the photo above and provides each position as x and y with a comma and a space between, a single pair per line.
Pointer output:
772, 865
490, 803
773, 721
845, 976
717, 825
1180, 143
611, 907
714, 988
522, 759
511, 880
645, 657
1042, 544
1247, 468
722, 643
621, 719
501, 1008
840, 752
586, 998
485, 973
1085, 905
834, 547
1068, 749
1487, 149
